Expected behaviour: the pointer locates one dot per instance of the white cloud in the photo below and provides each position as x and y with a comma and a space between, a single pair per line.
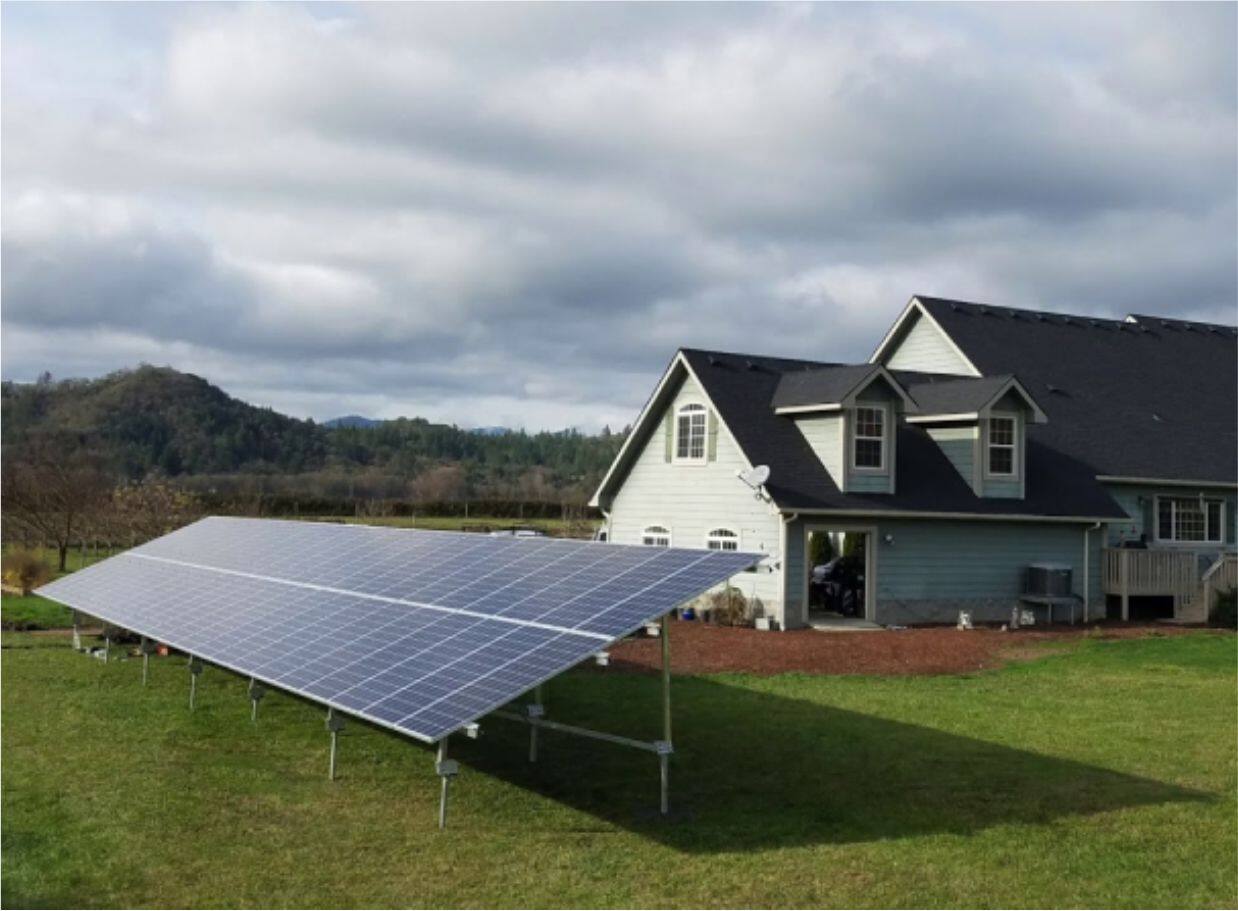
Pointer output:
518, 212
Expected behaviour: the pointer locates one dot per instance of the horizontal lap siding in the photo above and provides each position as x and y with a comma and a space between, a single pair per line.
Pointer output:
959, 446
824, 434
1137, 501
968, 559
925, 348
691, 500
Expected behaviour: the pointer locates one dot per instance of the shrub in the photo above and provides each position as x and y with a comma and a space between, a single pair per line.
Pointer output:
1225, 610
728, 607
25, 569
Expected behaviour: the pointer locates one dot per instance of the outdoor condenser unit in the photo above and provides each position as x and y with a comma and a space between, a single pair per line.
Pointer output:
1050, 580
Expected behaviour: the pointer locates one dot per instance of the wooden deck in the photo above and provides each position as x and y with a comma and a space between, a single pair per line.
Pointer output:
1167, 573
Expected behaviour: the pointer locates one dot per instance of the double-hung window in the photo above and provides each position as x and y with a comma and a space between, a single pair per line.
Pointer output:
690, 433
1003, 460
869, 447
1190, 520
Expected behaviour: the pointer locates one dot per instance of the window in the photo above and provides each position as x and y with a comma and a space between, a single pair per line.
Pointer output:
1003, 444
656, 536
722, 539
1190, 519
870, 437
690, 434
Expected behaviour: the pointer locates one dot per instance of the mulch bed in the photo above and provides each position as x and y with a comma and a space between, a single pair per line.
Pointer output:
699, 648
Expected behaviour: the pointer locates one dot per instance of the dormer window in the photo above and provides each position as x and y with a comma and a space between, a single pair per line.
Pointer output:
690, 433
1003, 448
869, 449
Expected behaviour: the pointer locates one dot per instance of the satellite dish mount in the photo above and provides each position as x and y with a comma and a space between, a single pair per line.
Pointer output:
755, 478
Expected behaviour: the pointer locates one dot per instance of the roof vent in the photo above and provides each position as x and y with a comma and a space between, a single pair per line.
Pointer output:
1157, 417
713, 361
752, 365
984, 311
1041, 317
1067, 321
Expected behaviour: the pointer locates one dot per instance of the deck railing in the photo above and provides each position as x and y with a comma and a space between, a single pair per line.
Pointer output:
1174, 573
1222, 576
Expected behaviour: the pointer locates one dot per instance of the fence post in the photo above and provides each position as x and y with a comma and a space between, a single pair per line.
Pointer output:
1124, 576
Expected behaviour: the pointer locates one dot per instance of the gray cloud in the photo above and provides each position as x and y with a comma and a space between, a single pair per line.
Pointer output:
516, 213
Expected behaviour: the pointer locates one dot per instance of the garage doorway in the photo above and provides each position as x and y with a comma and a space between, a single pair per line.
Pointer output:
840, 574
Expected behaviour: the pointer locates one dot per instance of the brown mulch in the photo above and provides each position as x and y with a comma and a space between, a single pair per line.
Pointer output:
699, 648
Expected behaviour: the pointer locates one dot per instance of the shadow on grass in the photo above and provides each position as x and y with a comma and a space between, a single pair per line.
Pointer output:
754, 770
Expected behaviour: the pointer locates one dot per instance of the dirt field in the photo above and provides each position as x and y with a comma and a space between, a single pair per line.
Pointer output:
698, 648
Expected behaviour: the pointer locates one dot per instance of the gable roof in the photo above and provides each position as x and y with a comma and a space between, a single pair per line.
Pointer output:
818, 386
742, 388
1144, 397
938, 395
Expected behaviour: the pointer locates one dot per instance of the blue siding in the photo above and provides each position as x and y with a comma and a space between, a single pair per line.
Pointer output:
1137, 500
972, 559
1008, 489
869, 483
959, 445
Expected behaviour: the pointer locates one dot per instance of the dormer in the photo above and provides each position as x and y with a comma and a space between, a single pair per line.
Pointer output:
849, 415
981, 426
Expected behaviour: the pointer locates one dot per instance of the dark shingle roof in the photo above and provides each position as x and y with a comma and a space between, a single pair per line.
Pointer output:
937, 394
820, 385
742, 388
1153, 398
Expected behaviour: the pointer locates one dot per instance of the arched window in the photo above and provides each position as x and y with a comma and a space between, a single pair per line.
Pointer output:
656, 536
690, 431
722, 539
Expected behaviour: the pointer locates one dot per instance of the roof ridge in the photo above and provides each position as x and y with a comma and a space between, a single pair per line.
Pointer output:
1081, 317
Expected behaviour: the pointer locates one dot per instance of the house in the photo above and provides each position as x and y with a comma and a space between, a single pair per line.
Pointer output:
975, 442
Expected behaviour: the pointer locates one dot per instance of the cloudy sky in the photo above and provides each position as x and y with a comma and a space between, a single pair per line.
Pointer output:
514, 214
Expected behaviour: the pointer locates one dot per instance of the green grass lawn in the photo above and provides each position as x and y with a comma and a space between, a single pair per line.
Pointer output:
1104, 776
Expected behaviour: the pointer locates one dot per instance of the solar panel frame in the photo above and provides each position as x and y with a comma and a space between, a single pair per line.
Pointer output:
495, 655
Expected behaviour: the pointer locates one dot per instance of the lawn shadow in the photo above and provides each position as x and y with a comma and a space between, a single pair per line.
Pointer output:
754, 770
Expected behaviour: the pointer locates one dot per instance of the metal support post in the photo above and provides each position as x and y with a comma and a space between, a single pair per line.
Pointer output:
77, 634
256, 692
147, 649
195, 671
107, 646
447, 769
665, 748
335, 724
535, 710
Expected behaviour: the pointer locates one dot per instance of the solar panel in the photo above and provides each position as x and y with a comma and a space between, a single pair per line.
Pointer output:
419, 631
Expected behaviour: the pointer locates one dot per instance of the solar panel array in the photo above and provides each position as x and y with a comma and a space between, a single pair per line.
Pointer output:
419, 631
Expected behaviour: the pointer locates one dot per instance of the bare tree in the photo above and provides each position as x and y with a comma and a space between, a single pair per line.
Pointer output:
52, 496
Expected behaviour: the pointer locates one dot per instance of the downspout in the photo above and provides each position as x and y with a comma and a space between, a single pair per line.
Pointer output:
1087, 582
783, 536
606, 523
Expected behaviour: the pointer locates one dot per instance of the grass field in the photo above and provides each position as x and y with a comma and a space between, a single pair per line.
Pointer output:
1104, 776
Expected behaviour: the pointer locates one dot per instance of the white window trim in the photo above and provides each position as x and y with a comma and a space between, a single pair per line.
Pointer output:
1173, 522
692, 407
646, 532
1016, 463
854, 420
734, 532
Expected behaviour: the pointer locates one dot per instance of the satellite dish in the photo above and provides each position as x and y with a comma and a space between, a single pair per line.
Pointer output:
755, 477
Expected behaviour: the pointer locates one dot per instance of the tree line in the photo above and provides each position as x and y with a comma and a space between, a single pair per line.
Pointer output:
156, 422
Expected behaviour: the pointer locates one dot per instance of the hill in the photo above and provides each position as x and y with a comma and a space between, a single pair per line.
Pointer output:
159, 421
350, 420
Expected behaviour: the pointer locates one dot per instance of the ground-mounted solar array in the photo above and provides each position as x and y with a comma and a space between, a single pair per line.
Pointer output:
419, 631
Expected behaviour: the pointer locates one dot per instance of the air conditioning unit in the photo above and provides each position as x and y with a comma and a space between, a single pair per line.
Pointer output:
1050, 580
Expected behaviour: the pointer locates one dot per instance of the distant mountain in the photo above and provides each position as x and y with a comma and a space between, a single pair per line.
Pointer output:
157, 420
351, 420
